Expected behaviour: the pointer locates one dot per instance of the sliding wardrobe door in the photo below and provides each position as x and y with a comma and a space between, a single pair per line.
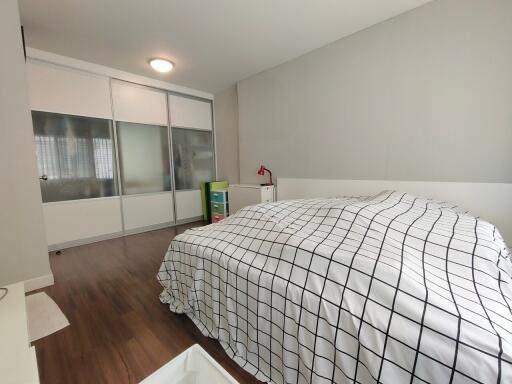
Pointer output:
144, 158
145, 174
144, 161
193, 152
75, 147
193, 157
75, 156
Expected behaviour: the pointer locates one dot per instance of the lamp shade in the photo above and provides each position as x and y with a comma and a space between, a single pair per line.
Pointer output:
261, 171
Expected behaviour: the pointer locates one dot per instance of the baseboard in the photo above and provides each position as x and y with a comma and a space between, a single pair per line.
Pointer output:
148, 228
128, 232
190, 220
88, 240
39, 282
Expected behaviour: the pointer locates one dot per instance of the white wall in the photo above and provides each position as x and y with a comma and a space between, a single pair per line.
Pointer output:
225, 105
424, 96
23, 248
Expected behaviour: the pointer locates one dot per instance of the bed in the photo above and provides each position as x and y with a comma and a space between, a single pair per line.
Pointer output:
388, 288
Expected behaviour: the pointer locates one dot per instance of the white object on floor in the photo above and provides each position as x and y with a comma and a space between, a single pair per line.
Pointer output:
194, 366
44, 316
18, 362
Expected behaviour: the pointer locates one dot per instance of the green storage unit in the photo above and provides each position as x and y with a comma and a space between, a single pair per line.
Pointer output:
206, 196
219, 206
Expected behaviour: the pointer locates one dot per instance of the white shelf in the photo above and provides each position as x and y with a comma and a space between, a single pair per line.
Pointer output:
18, 362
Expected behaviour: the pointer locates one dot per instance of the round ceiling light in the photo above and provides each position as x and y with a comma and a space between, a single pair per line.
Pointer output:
161, 65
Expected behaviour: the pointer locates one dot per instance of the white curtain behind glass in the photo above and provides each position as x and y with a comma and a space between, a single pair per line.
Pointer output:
77, 155
70, 158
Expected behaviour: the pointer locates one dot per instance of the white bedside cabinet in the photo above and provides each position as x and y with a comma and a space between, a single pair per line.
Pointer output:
243, 195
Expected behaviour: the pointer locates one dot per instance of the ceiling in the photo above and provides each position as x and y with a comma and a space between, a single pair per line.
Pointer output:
214, 43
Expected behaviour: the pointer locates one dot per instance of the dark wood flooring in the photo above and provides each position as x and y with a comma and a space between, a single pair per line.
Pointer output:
119, 331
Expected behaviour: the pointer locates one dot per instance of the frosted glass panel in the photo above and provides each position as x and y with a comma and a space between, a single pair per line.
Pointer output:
77, 156
193, 157
144, 158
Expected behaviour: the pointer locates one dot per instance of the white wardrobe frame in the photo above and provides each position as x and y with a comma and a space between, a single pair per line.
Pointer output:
167, 93
135, 81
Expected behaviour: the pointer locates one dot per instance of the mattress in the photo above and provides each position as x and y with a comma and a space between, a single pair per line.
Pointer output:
390, 288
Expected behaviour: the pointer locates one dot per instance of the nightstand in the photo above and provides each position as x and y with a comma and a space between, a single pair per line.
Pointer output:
243, 195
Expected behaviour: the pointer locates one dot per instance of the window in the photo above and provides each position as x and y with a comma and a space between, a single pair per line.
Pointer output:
144, 158
77, 155
193, 157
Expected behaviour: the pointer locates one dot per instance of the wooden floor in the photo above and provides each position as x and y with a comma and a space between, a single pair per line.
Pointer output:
119, 332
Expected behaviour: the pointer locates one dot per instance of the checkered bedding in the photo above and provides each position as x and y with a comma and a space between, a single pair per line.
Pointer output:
390, 288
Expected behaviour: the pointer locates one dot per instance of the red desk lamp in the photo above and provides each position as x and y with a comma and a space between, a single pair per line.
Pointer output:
261, 172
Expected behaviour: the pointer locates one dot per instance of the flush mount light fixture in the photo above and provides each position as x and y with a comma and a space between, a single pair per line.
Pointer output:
161, 65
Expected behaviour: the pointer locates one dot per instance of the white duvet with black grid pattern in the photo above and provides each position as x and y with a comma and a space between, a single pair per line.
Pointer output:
391, 289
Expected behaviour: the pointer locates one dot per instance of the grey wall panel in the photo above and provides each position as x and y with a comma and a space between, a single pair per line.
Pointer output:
424, 96
226, 128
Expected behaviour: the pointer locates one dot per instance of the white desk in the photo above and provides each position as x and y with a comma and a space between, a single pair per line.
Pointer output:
18, 364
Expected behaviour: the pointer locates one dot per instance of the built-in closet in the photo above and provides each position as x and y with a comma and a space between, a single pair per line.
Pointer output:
116, 157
